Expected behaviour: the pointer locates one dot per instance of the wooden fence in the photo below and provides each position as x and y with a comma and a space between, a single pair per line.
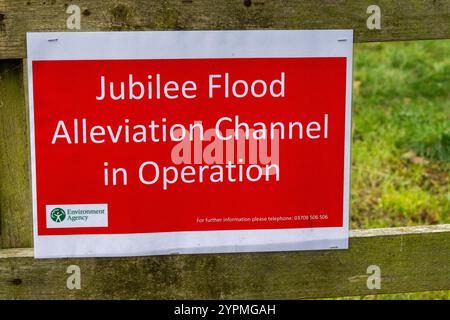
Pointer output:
410, 259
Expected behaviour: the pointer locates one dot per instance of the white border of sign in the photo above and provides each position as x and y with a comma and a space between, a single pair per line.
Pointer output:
183, 45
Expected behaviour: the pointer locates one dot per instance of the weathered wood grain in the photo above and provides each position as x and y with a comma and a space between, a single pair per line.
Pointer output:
401, 19
411, 259
15, 187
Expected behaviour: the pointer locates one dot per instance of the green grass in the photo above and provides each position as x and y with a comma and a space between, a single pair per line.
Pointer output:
401, 138
431, 295
401, 134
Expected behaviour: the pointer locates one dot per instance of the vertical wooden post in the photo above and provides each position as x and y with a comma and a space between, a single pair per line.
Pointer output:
15, 187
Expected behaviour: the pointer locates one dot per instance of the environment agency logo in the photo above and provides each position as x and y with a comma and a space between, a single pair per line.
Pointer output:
76, 215
58, 215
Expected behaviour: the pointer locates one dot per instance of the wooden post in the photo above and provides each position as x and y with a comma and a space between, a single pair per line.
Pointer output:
15, 187
410, 259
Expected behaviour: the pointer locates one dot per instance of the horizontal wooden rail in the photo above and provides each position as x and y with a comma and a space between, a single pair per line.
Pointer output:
400, 19
410, 259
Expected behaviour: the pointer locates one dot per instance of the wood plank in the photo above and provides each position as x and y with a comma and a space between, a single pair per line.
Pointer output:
410, 259
15, 187
401, 19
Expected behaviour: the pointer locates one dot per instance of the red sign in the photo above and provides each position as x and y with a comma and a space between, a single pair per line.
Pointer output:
183, 145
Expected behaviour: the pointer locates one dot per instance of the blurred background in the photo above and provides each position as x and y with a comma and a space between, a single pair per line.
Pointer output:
401, 138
